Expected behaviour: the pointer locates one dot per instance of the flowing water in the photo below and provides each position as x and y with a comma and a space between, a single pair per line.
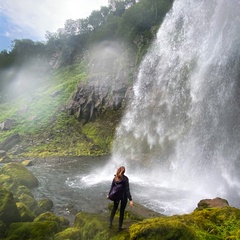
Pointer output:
181, 131
180, 136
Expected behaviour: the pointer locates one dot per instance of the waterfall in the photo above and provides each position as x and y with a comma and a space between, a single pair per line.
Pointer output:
181, 129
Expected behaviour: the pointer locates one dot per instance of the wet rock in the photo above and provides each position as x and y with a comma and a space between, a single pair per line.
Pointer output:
25, 212
27, 163
5, 159
49, 216
211, 203
92, 226
69, 233
90, 101
7, 124
45, 204
17, 150
2, 153
28, 200
8, 210
33, 230
3, 229
10, 142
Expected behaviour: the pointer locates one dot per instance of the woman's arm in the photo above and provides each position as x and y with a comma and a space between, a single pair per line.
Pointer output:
128, 190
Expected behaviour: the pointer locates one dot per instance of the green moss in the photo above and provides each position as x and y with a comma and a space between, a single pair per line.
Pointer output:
49, 216
23, 189
33, 231
45, 204
29, 201
3, 229
69, 233
208, 224
43, 109
8, 210
162, 230
7, 182
20, 174
92, 226
26, 214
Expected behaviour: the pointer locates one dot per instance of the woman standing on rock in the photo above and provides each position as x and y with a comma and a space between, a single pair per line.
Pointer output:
119, 192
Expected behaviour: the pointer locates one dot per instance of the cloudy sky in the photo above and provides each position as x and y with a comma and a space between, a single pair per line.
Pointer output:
20, 19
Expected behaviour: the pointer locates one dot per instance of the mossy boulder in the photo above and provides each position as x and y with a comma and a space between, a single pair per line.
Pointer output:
29, 201
33, 230
26, 214
37, 211
160, 229
8, 182
45, 204
49, 216
20, 174
13, 186
92, 226
69, 233
3, 229
209, 223
8, 210
23, 189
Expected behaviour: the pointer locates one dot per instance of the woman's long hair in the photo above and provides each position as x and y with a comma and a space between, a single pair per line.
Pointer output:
120, 173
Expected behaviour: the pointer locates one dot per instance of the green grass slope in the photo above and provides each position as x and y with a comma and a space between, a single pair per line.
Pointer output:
46, 128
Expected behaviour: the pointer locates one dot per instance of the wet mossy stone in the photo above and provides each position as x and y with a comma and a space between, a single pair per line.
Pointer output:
209, 223
20, 174
3, 229
159, 229
45, 204
29, 201
23, 189
26, 214
49, 216
37, 211
69, 233
8, 210
33, 230
92, 226
8, 182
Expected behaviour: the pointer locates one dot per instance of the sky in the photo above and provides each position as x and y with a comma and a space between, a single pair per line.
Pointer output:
31, 19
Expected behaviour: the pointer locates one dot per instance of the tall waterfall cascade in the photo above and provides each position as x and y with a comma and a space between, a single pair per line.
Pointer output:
181, 130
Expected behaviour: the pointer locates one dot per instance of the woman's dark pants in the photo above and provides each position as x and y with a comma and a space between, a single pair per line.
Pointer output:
122, 209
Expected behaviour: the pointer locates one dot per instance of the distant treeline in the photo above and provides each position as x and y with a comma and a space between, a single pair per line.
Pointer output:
133, 22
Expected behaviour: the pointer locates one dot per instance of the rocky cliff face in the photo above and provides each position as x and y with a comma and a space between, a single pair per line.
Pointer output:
108, 85
90, 101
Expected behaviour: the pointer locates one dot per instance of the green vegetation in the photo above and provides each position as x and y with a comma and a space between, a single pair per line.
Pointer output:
38, 80
45, 126
207, 224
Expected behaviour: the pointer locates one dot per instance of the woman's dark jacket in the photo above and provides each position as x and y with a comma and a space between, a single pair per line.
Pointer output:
126, 192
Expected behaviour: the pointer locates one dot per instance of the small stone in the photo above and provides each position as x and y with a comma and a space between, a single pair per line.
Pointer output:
27, 163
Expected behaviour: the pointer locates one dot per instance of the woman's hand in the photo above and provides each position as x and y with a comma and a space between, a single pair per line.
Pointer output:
131, 203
